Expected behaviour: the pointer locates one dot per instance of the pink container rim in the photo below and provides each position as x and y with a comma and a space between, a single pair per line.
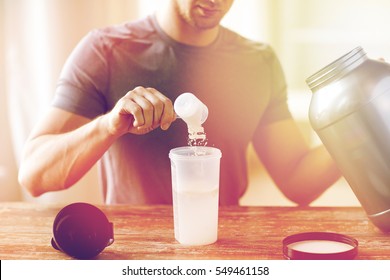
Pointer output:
194, 153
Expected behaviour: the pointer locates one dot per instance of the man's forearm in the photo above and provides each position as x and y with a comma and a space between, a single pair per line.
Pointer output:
312, 175
57, 161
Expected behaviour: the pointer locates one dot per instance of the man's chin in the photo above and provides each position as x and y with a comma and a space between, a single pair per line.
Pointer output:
207, 23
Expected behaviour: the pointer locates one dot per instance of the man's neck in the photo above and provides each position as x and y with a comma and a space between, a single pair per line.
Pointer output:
184, 33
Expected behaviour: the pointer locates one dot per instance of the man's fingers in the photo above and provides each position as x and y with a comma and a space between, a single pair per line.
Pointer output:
156, 99
166, 112
149, 109
146, 111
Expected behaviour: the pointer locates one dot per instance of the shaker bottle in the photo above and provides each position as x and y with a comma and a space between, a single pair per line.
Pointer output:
195, 188
350, 112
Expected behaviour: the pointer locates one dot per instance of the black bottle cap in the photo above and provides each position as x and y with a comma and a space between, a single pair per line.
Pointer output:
320, 246
82, 231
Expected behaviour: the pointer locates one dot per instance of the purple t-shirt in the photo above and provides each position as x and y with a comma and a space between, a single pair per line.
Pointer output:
239, 80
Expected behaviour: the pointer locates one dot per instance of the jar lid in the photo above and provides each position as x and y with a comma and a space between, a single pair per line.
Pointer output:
82, 231
320, 246
336, 69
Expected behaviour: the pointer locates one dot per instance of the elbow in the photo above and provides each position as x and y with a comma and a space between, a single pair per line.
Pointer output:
29, 182
38, 181
299, 196
300, 200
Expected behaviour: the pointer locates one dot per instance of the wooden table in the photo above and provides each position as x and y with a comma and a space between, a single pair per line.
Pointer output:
147, 232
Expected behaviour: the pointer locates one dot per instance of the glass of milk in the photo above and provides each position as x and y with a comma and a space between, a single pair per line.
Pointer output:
195, 187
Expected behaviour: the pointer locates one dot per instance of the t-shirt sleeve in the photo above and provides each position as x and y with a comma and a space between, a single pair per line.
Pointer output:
83, 79
277, 108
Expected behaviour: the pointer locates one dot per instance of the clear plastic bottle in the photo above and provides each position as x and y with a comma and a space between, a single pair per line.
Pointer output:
350, 112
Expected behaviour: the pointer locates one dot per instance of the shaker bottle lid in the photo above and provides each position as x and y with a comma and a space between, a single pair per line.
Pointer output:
320, 246
82, 231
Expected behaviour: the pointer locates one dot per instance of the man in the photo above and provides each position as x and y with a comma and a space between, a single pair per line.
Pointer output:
114, 102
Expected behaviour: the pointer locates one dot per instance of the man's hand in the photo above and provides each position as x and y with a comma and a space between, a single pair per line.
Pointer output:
140, 111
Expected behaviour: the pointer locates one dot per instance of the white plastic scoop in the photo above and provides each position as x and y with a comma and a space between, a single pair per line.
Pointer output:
189, 108
193, 112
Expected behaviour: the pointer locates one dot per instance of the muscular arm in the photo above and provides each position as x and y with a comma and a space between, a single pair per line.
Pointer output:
301, 173
64, 146
61, 149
